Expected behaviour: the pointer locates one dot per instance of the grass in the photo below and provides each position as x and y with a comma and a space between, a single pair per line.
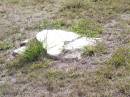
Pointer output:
36, 66
34, 50
53, 74
99, 10
89, 50
117, 72
118, 66
84, 27
98, 49
104, 82
49, 74
87, 27
54, 24
120, 58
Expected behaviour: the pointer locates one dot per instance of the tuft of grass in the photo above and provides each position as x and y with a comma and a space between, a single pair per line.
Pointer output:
87, 27
120, 58
99, 48
35, 49
54, 24
89, 50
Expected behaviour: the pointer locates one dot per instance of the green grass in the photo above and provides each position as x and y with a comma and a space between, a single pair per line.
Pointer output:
84, 27
87, 27
54, 24
34, 50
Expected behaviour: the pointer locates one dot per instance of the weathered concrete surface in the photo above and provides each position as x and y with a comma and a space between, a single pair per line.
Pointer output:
58, 40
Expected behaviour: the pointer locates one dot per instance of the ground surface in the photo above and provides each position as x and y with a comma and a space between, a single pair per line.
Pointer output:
20, 20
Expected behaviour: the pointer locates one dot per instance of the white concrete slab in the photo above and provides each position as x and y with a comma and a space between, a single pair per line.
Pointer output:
56, 41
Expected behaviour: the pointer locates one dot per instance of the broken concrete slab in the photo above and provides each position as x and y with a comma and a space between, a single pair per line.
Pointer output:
56, 41
80, 43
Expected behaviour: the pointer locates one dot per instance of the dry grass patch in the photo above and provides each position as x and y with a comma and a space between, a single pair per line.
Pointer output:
120, 58
98, 49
